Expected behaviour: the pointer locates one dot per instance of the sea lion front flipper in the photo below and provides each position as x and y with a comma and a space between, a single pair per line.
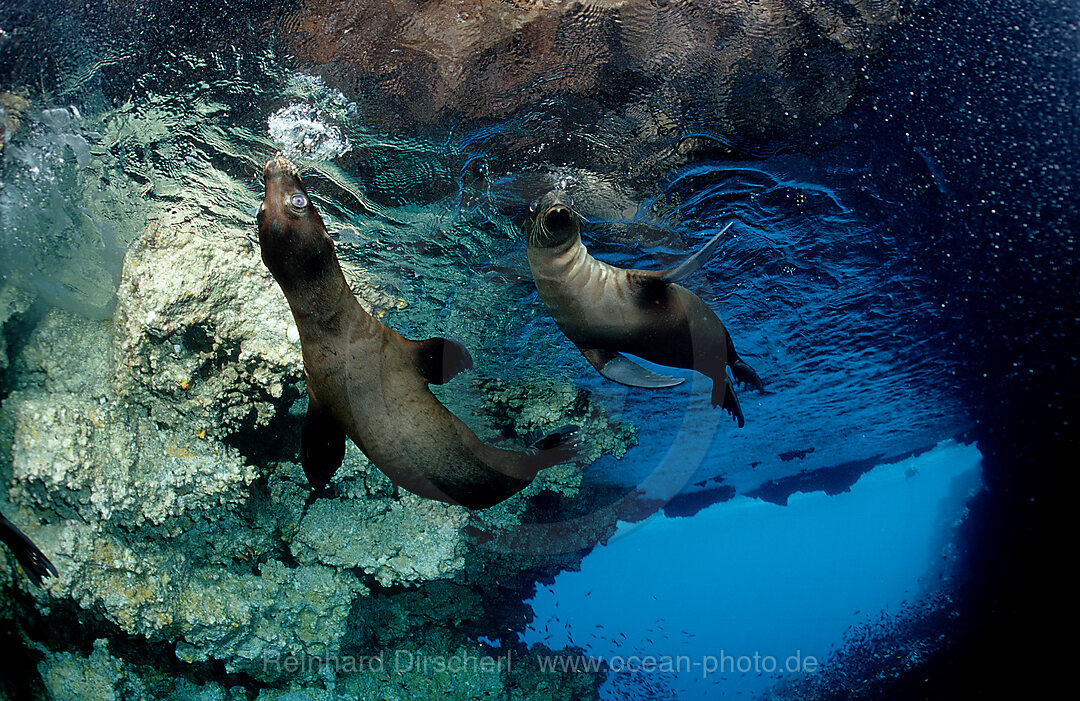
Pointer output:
322, 446
440, 360
33, 561
617, 368
556, 448
694, 262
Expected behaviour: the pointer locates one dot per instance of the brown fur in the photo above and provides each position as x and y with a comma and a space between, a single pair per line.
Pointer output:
368, 382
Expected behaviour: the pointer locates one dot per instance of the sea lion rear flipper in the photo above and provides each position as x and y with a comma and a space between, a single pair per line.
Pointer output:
741, 370
694, 262
32, 560
322, 446
539, 440
555, 448
724, 395
746, 374
617, 368
440, 360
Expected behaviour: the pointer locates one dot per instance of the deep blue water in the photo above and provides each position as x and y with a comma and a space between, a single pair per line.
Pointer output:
745, 592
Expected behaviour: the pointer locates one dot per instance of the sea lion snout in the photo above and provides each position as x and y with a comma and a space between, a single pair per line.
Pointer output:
558, 218
552, 222
279, 164
293, 239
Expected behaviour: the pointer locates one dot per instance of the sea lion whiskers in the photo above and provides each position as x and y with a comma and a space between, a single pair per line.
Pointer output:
540, 235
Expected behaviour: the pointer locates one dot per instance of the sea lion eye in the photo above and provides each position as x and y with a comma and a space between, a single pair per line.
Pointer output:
534, 205
299, 200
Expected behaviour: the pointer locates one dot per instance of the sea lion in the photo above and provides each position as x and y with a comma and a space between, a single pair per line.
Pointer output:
33, 561
607, 311
367, 382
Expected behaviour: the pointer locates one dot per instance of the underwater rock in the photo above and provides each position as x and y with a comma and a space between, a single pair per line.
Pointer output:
203, 335
103, 462
519, 408
153, 590
80, 452
12, 109
71, 677
399, 542
469, 672
101, 676
13, 302
85, 366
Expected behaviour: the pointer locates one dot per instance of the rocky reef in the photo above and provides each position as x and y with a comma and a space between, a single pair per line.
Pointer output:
153, 458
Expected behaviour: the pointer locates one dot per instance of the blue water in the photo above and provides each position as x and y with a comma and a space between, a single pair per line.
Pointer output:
746, 578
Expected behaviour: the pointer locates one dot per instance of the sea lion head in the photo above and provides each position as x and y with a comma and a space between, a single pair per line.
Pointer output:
552, 222
292, 236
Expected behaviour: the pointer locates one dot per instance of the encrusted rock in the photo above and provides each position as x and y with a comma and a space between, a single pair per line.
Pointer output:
13, 301
105, 462
202, 331
12, 109
211, 612
72, 677
399, 542
540, 406
69, 355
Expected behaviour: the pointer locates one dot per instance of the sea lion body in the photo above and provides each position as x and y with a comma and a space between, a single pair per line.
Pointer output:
603, 306
368, 382
607, 311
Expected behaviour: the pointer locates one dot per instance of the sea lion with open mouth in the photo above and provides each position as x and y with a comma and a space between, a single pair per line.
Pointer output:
367, 382
607, 311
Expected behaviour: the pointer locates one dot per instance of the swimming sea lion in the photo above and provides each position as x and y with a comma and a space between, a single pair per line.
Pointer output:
369, 383
33, 561
607, 311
